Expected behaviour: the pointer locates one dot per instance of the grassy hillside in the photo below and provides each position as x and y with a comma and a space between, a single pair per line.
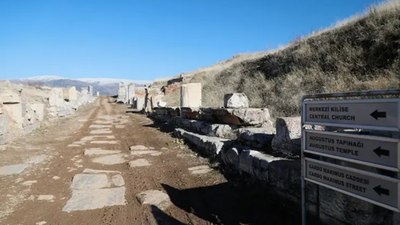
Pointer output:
362, 53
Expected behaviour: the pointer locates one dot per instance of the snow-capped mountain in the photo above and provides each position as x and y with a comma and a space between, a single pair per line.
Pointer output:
106, 86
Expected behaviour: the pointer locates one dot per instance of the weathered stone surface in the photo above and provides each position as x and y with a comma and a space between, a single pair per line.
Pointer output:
139, 163
214, 130
260, 138
138, 147
256, 163
285, 174
244, 116
70, 94
122, 93
97, 151
154, 197
56, 97
146, 152
96, 189
109, 159
95, 199
164, 114
8, 96
13, 169
14, 114
210, 146
236, 100
200, 169
191, 95
288, 135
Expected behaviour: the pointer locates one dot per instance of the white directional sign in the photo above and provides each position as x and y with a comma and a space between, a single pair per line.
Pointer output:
374, 151
374, 188
379, 114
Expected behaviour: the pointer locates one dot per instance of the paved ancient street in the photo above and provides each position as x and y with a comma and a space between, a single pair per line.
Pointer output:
105, 166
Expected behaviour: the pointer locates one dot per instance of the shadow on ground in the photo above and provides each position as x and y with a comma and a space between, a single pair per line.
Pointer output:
227, 204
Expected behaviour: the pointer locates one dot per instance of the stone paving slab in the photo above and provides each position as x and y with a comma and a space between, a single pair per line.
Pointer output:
101, 131
13, 169
110, 159
95, 199
104, 142
147, 152
139, 163
90, 181
154, 197
98, 151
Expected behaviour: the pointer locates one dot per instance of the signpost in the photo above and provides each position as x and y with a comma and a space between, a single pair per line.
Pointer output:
374, 188
366, 152
379, 152
378, 114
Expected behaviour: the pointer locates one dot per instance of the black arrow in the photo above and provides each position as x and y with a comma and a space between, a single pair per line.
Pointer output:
380, 151
376, 114
381, 191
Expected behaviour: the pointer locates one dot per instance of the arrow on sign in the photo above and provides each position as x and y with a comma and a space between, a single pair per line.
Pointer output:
380, 151
376, 114
381, 191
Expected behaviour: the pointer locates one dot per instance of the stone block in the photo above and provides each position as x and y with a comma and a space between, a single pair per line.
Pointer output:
191, 95
288, 134
122, 93
285, 175
209, 146
259, 138
236, 100
213, 130
56, 97
70, 94
14, 113
242, 117
256, 163
8, 96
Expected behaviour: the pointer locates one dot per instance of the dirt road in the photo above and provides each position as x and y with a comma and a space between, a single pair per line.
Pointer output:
106, 166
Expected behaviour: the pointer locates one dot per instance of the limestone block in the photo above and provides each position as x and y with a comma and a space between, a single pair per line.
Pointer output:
191, 95
230, 158
8, 96
138, 102
244, 116
56, 97
288, 135
209, 146
130, 93
122, 93
3, 124
256, 137
70, 94
214, 130
165, 114
14, 113
236, 100
284, 175
34, 112
256, 163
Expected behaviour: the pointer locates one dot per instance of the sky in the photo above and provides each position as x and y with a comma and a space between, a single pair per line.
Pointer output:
151, 39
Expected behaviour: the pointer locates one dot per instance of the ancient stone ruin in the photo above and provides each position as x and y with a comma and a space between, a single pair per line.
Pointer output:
23, 108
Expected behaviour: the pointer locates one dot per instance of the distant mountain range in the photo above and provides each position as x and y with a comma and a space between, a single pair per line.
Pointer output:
105, 86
